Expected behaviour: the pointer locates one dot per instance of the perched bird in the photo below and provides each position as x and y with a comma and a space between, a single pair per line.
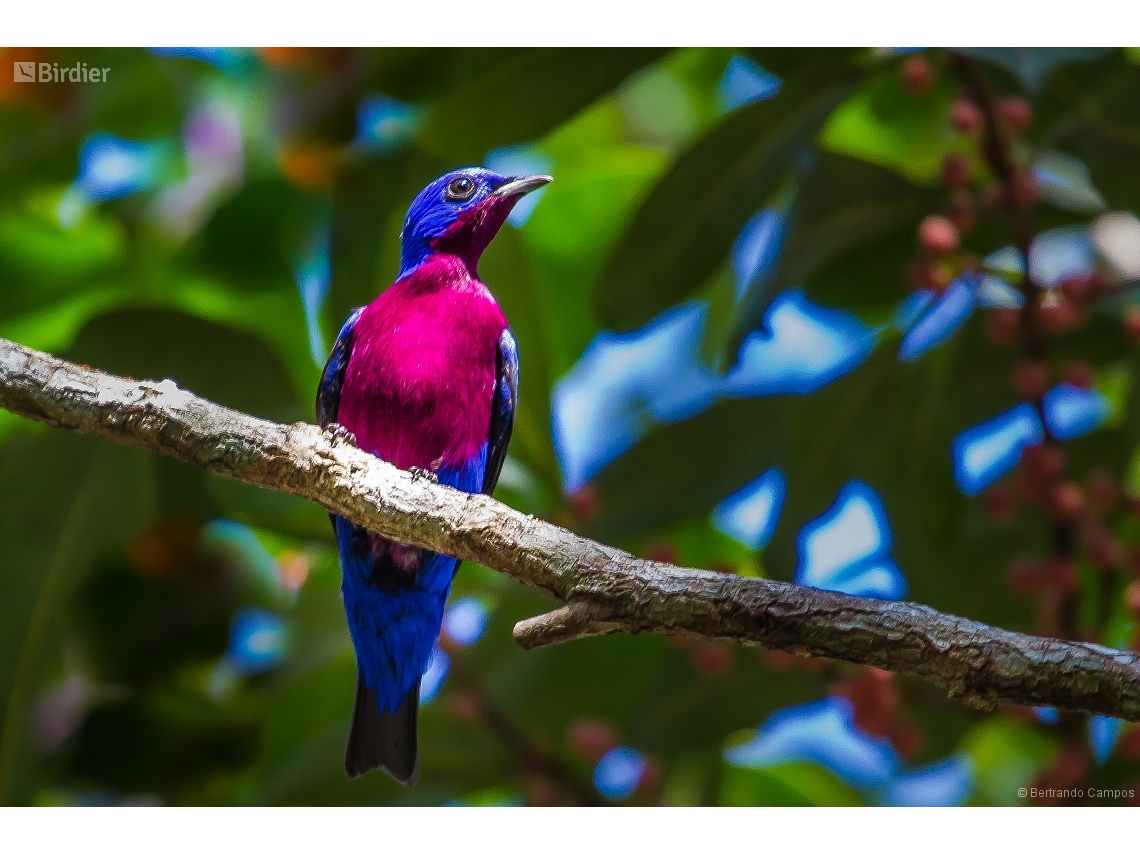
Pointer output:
425, 377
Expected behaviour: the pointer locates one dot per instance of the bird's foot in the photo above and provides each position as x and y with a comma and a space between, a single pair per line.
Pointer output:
338, 434
417, 472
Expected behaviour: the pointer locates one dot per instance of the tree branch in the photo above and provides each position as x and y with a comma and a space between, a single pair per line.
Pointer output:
607, 590
576, 619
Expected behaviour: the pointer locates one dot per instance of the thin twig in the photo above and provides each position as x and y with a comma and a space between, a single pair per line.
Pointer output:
532, 757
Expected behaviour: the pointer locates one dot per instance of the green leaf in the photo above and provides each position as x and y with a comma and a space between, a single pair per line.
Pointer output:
510, 274
39, 257
64, 500
371, 197
904, 417
851, 227
523, 97
1007, 755
885, 124
228, 367
1066, 183
687, 225
253, 239
580, 217
1131, 480
785, 785
1115, 383
843, 204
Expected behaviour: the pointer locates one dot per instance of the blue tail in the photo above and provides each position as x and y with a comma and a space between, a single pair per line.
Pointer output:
394, 596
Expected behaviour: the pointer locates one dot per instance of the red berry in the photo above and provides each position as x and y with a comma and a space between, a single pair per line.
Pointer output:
1102, 490
906, 738
932, 276
1030, 380
963, 219
591, 738
993, 195
1132, 597
1128, 747
1061, 316
916, 276
660, 550
956, 170
586, 502
1004, 325
1001, 503
1024, 576
1016, 112
1132, 323
1068, 501
650, 777
938, 235
541, 792
966, 116
712, 659
1068, 770
1075, 288
918, 74
1105, 552
1024, 190
1044, 461
874, 697
466, 707
961, 210
1080, 374
1061, 573
1048, 623
1049, 460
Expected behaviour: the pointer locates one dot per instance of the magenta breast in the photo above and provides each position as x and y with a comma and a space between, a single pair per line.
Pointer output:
421, 376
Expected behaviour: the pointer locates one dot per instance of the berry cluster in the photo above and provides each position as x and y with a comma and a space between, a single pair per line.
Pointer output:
875, 697
971, 181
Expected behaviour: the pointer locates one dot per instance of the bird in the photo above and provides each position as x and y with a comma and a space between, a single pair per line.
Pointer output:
424, 377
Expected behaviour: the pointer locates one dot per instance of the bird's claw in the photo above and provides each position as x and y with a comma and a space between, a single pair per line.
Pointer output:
417, 472
338, 434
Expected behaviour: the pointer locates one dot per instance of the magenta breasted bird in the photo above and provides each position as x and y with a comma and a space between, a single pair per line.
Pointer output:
425, 377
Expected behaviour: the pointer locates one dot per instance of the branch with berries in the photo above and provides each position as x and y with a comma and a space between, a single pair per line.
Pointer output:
605, 590
989, 165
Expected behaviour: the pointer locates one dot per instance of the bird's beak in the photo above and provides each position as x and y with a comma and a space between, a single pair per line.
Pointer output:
521, 186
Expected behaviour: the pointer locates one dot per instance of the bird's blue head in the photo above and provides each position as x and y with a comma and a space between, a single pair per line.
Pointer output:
459, 213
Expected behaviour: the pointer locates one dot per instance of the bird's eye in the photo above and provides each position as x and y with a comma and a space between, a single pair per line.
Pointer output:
460, 189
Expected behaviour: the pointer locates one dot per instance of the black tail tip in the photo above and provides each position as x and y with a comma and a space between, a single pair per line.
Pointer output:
385, 741
355, 769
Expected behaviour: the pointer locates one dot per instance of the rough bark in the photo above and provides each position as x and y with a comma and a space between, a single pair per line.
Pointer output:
605, 590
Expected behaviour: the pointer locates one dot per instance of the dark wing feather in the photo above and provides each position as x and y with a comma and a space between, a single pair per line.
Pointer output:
332, 379
502, 408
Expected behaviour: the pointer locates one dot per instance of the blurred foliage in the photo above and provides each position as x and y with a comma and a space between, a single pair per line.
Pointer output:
235, 264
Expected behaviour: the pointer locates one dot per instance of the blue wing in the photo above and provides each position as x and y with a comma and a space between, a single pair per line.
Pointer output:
332, 378
502, 408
